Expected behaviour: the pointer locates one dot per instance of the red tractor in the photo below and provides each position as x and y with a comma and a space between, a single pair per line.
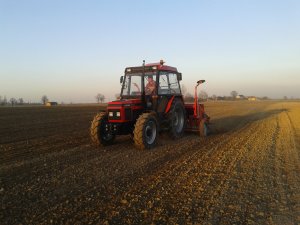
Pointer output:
150, 102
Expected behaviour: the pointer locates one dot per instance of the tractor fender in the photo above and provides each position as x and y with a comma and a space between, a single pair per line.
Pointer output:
169, 104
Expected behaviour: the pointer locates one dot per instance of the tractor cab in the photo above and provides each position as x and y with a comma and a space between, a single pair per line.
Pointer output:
151, 84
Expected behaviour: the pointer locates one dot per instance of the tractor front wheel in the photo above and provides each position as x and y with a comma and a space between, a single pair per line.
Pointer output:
99, 133
145, 131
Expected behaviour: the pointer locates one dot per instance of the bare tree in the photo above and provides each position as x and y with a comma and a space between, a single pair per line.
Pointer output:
21, 101
285, 97
100, 98
203, 96
44, 99
214, 97
233, 94
12, 101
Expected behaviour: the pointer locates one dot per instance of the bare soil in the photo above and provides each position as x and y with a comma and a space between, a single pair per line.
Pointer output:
247, 172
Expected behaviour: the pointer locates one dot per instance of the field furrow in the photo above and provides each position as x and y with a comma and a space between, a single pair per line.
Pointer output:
247, 172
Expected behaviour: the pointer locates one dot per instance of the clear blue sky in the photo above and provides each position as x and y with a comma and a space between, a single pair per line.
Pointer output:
72, 50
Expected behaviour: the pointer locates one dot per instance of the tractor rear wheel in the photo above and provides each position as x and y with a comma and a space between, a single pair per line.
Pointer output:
145, 131
99, 134
203, 128
177, 119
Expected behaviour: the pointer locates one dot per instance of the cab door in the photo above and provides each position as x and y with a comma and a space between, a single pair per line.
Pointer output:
168, 86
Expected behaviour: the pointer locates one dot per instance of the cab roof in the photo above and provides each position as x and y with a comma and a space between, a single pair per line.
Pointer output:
151, 67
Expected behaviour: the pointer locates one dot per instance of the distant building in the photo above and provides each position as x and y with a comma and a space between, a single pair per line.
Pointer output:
51, 103
252, 98
240, 97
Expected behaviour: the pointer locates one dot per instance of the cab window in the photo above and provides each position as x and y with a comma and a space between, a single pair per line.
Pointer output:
174, 85
168, 84
163, 88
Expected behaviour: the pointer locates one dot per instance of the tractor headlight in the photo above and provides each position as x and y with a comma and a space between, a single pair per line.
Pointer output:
110, 114
118, 114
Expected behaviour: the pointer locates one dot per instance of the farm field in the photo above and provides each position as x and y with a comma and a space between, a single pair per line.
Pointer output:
247, 172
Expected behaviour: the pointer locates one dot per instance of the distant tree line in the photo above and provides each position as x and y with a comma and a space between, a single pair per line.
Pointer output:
233, 96
188, 97
4, 101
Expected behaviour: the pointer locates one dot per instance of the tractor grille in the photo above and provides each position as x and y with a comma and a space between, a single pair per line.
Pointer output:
113, 114
128, 114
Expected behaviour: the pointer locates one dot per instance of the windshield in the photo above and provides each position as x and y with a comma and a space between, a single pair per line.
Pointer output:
132, 85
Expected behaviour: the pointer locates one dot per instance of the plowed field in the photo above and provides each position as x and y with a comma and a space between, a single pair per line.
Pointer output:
247, 172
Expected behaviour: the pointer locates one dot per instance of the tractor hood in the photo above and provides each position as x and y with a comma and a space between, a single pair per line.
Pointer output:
125, 103
125, 110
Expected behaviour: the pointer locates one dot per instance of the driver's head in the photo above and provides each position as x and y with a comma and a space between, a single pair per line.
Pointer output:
150, 78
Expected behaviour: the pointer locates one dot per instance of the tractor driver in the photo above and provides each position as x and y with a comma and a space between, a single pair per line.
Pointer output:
150, 88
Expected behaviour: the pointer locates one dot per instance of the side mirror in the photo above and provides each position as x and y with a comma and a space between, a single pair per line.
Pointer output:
179, 76
121, 79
